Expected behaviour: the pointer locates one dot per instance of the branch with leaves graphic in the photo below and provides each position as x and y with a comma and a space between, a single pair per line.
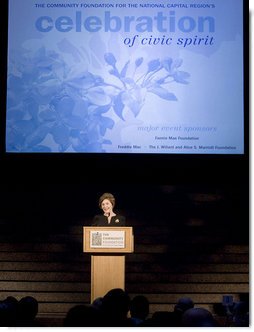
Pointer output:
155, 80
50, 107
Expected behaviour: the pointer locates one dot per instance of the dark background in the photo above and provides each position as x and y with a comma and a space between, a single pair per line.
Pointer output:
54, 187
198, 201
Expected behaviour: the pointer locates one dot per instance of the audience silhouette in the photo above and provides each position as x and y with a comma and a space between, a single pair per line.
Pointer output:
183, 304
8, 311
97, 303
117, 309
139, 309
82, 315
198, 317
20, 313
27, 312
240, 314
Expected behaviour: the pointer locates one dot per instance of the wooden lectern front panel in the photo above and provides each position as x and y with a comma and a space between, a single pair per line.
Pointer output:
107, 272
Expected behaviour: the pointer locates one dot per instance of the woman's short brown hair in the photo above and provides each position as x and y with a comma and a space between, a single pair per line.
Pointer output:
108, 196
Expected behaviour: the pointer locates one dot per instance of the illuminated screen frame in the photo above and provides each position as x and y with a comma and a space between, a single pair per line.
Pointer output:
137, 154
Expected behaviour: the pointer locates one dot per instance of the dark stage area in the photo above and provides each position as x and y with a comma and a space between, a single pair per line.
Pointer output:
190, 219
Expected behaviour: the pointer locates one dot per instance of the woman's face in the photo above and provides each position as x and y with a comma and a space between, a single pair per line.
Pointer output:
106, 206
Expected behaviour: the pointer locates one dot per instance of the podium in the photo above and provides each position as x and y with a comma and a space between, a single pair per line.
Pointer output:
108, 246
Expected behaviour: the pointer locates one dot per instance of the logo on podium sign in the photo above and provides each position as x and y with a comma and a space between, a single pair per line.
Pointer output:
107, 239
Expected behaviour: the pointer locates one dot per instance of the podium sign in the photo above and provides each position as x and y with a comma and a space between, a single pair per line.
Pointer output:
108, 246
98, 239
107, 239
